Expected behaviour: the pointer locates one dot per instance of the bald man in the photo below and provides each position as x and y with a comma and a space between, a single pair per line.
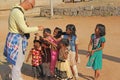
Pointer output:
16, 40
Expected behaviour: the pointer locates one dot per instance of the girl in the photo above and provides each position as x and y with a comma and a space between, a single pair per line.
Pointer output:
54, 52
46, 49
54, 40
95, 48
63, 71
36, 59
73, 56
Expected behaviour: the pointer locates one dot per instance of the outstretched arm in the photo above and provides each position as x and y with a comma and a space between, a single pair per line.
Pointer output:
55, 45
57, 40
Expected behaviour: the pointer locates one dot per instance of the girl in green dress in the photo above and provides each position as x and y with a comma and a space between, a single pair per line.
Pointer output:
95, 48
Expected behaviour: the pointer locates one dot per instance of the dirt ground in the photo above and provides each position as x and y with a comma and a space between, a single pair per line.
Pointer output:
85, 27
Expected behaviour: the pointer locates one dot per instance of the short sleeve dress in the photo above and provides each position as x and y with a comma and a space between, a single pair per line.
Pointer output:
36, 57
95, 60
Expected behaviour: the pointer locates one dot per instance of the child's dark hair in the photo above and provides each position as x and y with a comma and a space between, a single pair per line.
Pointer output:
65, 42
47, 30
101, 28
37, 41
59, 32
72, 28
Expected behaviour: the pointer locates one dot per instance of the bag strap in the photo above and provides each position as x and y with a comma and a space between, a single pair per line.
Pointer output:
26, 34
20, 10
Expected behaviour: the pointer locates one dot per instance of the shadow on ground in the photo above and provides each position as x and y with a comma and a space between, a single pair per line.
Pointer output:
27, 70
5, 70
108, 57
86, 77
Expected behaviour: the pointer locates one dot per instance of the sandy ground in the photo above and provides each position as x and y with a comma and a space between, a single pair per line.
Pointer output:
85, 27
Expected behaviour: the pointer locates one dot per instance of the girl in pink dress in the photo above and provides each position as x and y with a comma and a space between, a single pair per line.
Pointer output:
54, 48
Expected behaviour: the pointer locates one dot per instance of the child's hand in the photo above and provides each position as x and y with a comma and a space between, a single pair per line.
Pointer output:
92, 52
88, 54
45, 39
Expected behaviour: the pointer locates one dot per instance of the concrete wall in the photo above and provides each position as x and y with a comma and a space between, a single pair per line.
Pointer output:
106, 10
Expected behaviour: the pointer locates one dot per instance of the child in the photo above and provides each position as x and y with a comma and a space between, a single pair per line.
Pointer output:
63, 70
46, 51
54, 51
95, 48
36, 58
73, 56
54, 40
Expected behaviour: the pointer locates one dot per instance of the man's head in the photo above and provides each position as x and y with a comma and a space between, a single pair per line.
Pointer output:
28, 4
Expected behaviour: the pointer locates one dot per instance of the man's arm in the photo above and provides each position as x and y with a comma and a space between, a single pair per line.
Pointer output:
19, 18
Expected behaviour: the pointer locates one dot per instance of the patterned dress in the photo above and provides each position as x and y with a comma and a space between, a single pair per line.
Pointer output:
36, 57
95, 60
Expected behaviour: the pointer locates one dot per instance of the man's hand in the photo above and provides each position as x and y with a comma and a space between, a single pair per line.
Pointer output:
40, 28
37, 34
